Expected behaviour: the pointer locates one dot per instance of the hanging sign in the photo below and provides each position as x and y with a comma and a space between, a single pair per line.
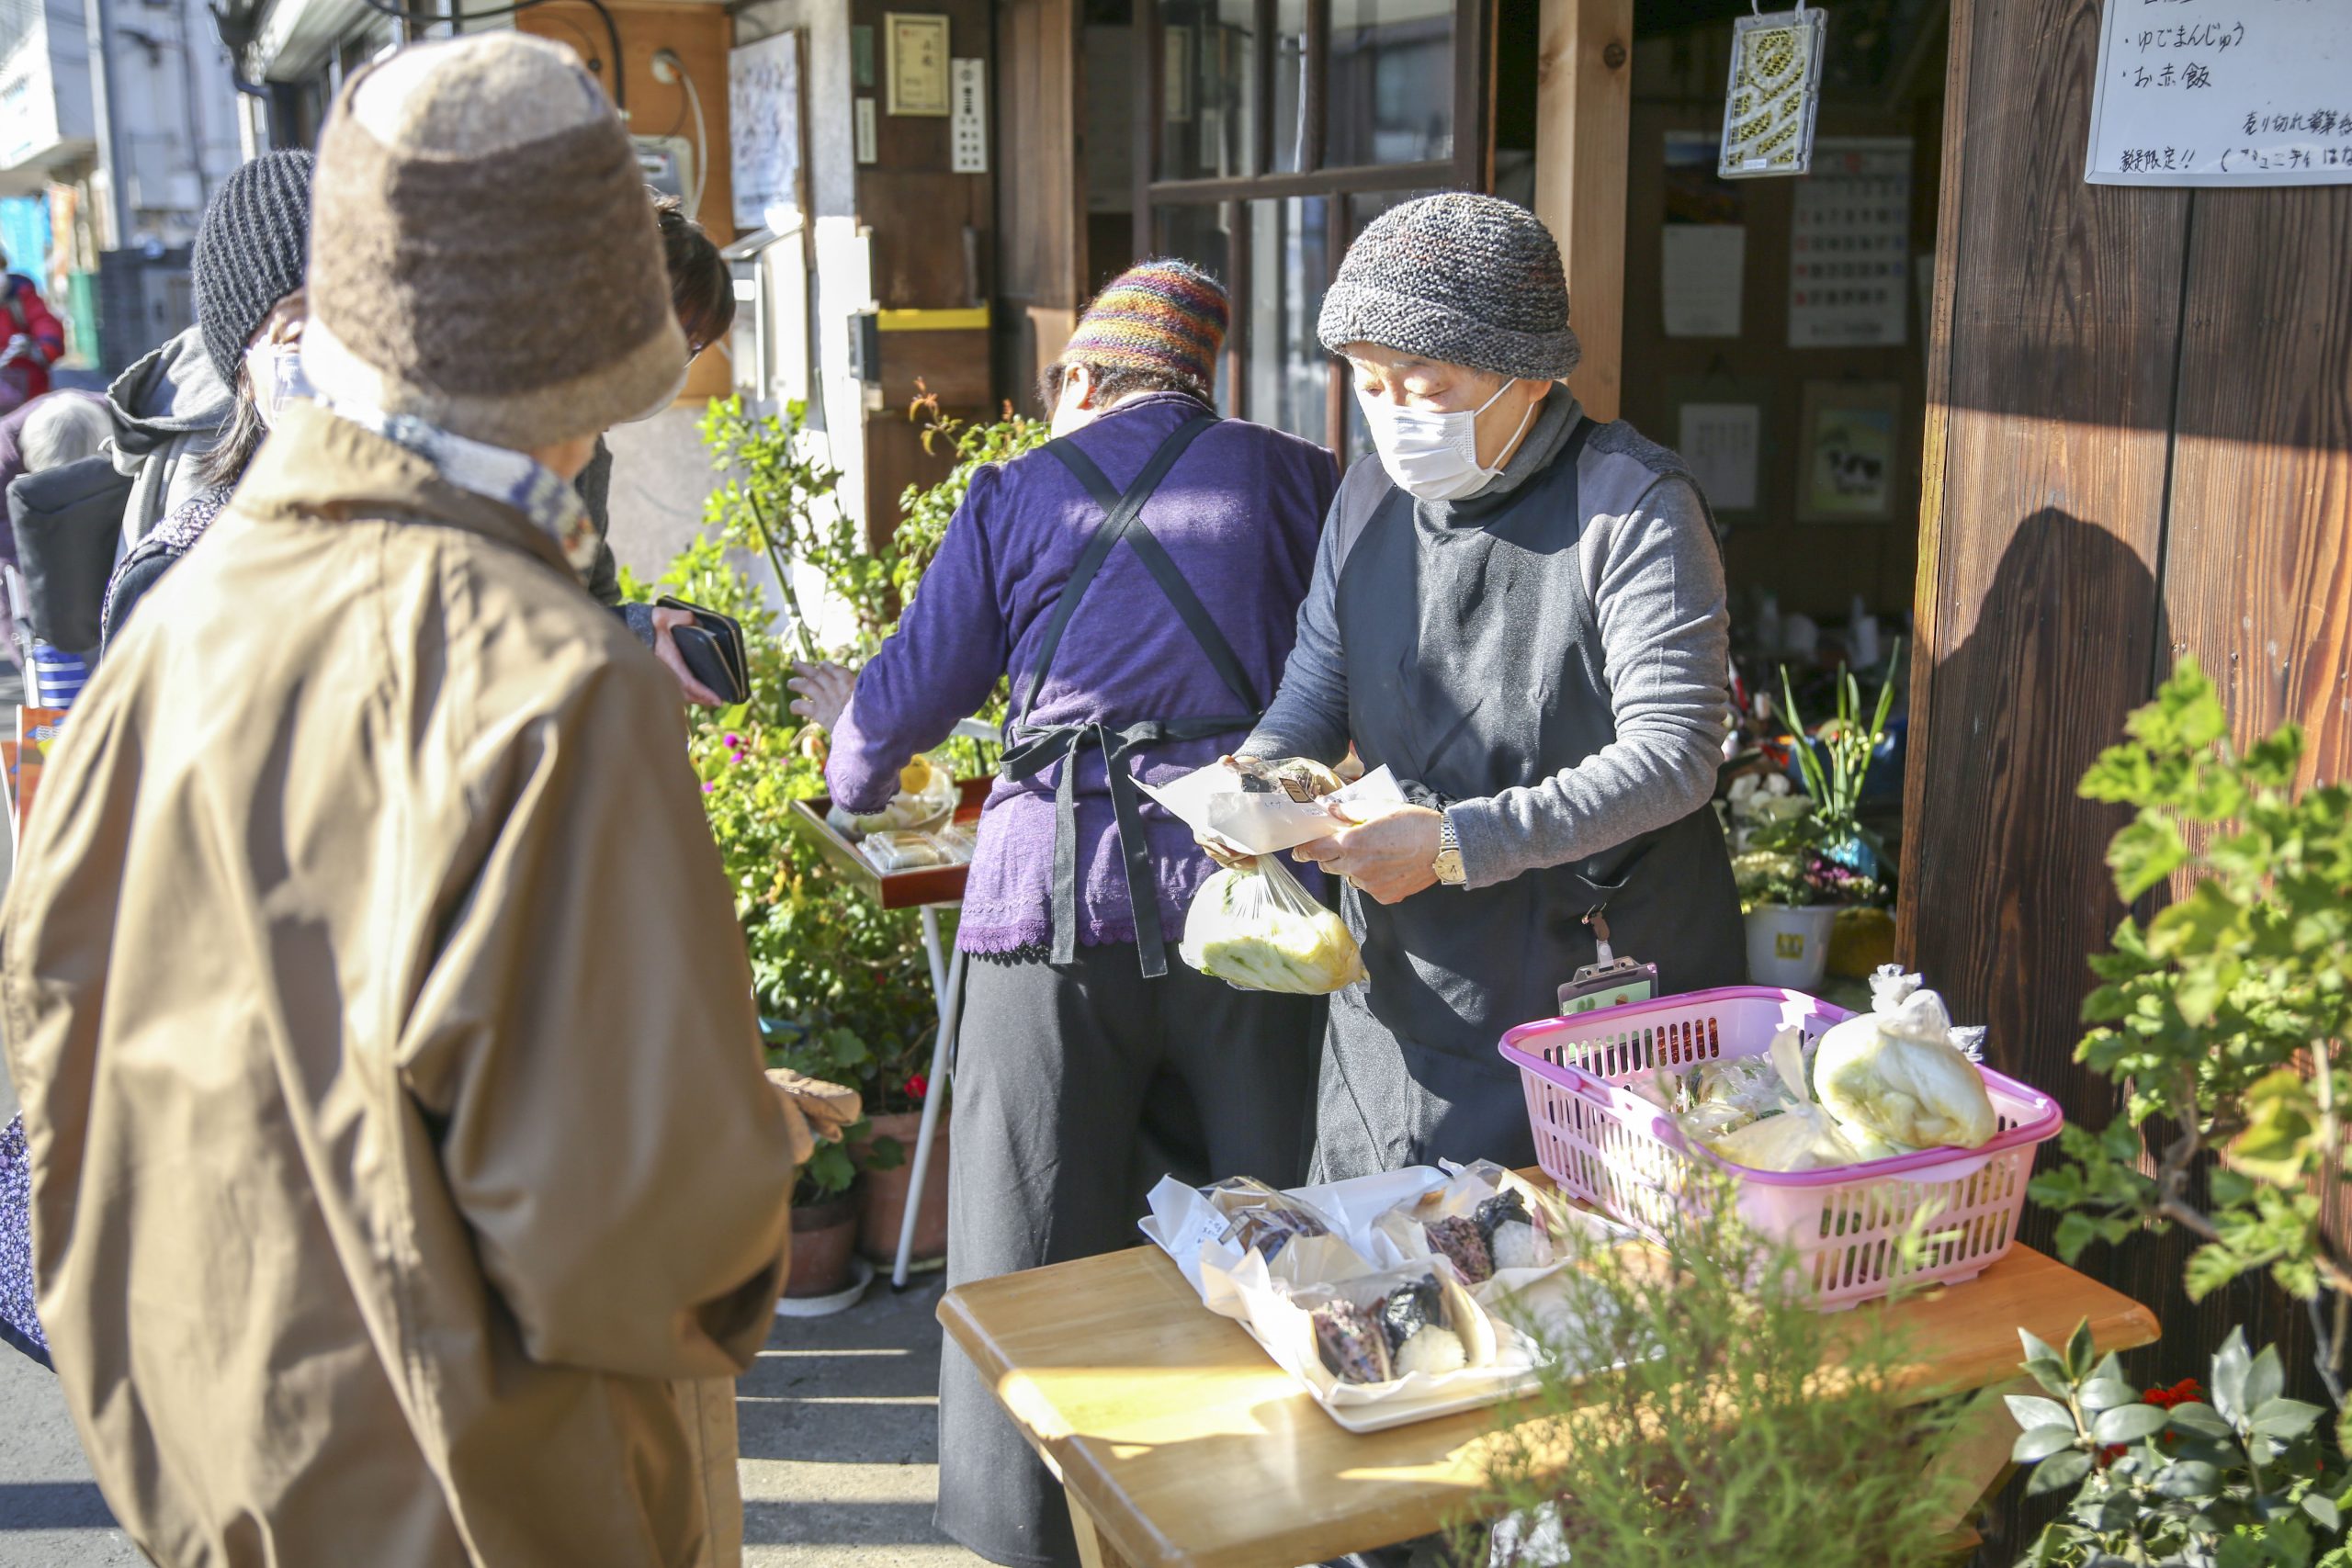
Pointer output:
764, 130
1774, 92
967, 126
2223, 92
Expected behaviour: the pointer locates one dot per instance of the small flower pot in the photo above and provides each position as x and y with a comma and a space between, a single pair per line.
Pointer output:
882, 1194
824, 1236
1788, 946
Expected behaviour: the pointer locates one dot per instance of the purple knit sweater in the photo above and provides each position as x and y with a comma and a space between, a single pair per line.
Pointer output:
1240, 513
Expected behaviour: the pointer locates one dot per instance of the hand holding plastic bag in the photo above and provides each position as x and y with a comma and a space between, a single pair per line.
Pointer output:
1253, 926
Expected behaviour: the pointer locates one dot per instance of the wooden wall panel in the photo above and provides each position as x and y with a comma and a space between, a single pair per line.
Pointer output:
1041, 202
2036, 608
2139, 445
1584, 87
2259, 550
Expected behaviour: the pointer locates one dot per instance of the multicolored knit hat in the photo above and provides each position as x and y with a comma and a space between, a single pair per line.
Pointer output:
1162, 316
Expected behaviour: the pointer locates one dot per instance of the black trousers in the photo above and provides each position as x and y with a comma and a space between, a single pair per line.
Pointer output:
1076, 1088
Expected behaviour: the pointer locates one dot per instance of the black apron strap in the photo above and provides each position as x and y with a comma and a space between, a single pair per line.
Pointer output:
1030, 750
1122, 511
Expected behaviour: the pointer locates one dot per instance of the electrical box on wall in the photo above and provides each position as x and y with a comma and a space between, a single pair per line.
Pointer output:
865, 347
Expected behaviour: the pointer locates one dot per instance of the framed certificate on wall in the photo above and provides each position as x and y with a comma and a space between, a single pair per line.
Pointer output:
915, 62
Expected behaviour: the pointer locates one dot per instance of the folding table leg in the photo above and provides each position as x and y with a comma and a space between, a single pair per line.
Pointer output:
947, 991
1094, 1550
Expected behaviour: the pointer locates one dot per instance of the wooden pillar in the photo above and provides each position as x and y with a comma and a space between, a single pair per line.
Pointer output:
1584, 94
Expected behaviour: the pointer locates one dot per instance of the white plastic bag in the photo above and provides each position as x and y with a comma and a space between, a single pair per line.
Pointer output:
1255, 926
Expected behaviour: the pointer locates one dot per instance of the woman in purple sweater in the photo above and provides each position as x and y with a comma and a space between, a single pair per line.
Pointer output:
1139, 579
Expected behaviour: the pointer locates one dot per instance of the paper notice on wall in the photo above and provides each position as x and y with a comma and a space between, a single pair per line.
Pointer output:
2224, 92
1849, 244
1722, 442
764, 130
1703, 266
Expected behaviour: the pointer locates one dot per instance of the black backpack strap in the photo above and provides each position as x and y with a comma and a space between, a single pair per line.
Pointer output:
1119, 514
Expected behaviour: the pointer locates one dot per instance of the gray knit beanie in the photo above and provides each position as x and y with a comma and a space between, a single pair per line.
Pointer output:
249, 254
482, 254
1460, 278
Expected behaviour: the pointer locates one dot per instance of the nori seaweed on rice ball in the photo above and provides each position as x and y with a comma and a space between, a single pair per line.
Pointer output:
1420, 1339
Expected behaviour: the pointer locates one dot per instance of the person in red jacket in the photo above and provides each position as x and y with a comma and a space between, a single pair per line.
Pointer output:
31, 339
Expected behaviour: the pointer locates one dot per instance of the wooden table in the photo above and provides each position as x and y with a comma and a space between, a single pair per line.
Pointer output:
1182, 1446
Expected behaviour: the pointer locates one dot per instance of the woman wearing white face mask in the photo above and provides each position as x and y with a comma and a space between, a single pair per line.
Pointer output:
1521, 612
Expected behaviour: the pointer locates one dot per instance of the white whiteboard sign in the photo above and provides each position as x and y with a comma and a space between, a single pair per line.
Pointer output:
2223, 92
764, 130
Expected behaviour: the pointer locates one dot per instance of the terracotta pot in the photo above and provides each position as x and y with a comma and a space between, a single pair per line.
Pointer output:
882, 1194
824, 1235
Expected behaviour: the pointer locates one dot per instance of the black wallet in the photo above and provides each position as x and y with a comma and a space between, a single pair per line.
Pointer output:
713, 650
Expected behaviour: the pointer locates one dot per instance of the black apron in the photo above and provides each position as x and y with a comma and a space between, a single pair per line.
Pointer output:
1030, 749
1514, 692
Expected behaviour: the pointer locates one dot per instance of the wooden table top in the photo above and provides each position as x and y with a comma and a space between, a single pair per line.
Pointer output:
1192, 1449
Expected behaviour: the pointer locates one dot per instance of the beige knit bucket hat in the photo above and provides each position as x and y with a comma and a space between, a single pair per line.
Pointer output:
483, 256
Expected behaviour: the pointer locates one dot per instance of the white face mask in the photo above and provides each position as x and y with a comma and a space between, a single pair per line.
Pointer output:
677, 389
1432, 455
275, 370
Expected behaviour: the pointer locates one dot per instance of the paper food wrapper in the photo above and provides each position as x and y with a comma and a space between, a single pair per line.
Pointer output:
1255, 822
1375, 1243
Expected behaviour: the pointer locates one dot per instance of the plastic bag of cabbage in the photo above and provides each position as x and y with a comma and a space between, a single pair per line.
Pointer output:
1898, 1070
1254, 926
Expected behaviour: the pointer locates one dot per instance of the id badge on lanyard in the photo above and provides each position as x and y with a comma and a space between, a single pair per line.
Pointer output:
1607, 981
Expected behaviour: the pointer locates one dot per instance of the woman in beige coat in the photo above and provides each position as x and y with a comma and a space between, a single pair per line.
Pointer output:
406, 1188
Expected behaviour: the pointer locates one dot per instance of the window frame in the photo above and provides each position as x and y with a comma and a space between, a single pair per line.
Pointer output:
1470, 167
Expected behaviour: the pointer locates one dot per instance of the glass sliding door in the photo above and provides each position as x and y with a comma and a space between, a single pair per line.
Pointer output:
1268, 132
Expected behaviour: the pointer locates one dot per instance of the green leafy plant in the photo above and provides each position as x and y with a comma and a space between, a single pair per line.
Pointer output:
2225, 1016
1745, 1428
1849, 749
2163, 1475
775, 501
843, 986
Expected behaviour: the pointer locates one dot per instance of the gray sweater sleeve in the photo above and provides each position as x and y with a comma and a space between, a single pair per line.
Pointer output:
1657, 580
1308, 717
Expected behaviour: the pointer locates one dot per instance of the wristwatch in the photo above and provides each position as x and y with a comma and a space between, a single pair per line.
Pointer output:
1447, 864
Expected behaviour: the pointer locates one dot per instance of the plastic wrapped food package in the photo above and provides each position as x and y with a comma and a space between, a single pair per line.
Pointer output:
1254, 926
1897, 1073
1260, 1218
1485, 1220
895, 851
1428, 1325
926, 799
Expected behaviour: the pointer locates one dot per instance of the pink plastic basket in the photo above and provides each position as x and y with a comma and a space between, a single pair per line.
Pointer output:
1619, 1153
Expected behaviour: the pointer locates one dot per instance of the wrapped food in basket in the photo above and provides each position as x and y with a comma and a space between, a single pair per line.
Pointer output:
1594, 1093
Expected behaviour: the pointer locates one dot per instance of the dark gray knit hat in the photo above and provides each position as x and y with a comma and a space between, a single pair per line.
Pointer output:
1461, 278
249, 252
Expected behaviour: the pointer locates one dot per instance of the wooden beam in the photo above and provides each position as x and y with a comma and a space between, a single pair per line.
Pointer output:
1584, 94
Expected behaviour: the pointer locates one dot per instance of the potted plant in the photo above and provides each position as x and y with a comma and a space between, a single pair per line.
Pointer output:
2224, 1019
1804, 861
887, 1152
1638, 1468
824, 1201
